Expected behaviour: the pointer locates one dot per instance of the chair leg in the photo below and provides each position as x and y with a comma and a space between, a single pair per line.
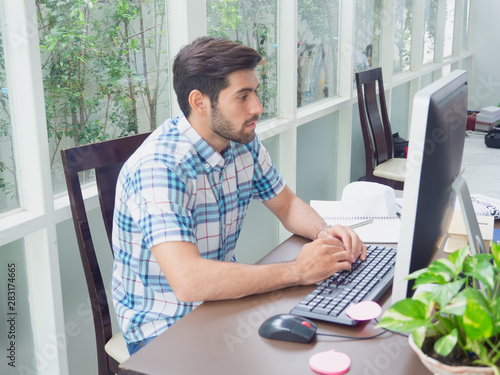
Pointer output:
113, 366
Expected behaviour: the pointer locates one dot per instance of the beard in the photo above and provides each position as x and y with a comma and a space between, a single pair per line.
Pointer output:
223, 127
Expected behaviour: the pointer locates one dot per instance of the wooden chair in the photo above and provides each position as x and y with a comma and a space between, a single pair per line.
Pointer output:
106, 159
381, 166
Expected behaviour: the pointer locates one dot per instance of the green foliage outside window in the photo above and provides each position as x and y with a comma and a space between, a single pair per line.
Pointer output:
317, 50
8, 182
430, 17
104, 69
403, 17
254, 24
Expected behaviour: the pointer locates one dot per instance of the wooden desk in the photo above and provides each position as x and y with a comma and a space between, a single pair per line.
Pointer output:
222, 338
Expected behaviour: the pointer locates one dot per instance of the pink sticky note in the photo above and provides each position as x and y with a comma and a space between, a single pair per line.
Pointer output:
330, 362
365, 310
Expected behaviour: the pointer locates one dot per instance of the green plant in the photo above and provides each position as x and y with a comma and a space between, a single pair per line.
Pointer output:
460, 309
104, 69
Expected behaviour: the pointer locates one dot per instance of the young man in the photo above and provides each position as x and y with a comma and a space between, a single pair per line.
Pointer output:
182, 197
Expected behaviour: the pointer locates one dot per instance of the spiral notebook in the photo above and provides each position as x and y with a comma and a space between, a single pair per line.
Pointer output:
383, 229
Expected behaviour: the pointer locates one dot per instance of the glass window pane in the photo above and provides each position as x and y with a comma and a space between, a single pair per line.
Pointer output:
317, 50
448, 28
403, 10
9, 198
254, 24
430, 23
105, 71
465, 28
368, 23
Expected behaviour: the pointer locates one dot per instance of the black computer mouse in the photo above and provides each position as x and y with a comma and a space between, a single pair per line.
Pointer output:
288, 328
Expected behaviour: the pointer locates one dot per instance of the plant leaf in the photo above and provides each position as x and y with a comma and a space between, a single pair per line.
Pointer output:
456, 306
477, 347
494, 306
445, 324
419, 336
480, 268
444, 267
427, 298
458, 257
495, 251
446, 292
405, 316
416, 274
445, 344
478, 323
429, 278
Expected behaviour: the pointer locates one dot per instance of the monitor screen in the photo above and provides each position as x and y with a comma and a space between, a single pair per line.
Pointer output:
434, 162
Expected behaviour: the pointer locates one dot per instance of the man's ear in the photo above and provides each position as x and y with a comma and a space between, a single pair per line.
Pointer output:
199, 102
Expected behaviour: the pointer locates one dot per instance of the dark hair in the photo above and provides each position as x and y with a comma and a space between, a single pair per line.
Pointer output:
205, 64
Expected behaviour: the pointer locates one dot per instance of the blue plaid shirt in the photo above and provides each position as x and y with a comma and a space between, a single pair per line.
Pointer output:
176, 187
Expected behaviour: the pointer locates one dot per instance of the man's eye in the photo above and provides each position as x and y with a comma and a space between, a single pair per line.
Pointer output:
242, 98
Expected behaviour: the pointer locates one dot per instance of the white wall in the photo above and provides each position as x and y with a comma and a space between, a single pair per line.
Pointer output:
484, 40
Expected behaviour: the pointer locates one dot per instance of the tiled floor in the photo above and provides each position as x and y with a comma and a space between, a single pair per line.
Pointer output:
481, 166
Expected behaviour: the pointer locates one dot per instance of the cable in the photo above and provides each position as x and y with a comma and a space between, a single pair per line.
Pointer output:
353, 337
361, 338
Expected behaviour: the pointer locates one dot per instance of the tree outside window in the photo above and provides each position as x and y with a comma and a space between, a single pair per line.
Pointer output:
254, 24
9, 198
449, 28
367, 34
430, 24
317, 50
104, 68
403, 10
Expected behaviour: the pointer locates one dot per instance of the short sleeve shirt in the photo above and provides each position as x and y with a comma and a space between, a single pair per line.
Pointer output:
176, 187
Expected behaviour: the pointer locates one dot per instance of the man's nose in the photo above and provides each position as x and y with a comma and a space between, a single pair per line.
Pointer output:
256, 107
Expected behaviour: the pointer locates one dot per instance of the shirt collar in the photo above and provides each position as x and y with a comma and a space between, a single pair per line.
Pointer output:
209, 157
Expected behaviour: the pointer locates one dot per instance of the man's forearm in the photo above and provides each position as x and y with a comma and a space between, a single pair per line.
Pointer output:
228, 280
193, 278
296, 215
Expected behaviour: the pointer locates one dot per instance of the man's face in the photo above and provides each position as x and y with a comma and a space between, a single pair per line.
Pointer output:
235, 115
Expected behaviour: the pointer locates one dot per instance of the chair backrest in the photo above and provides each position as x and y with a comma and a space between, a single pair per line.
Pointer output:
375, 125
106, 159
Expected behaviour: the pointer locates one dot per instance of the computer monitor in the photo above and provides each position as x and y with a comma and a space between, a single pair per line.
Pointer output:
432, 182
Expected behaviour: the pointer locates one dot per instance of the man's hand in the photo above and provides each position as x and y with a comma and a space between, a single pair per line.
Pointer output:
349, 239
322, 258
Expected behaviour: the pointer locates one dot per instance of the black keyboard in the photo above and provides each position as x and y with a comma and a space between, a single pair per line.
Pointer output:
366, 281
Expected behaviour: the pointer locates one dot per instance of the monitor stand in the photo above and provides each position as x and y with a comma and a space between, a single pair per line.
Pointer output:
476, 242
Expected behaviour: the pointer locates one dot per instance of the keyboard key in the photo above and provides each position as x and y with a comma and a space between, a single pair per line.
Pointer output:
331, 296
303, 307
